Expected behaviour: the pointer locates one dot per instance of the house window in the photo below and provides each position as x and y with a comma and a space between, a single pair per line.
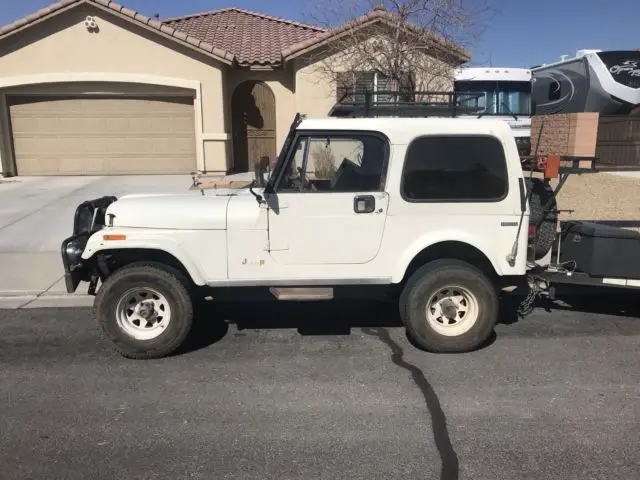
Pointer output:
352, 86
455, 168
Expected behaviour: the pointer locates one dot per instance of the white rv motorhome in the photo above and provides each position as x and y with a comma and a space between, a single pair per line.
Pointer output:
607, 82
499, 92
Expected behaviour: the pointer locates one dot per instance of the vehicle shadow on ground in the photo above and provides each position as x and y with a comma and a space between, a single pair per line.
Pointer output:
599, 301
340, 316
622, 304
337, 317
309, 318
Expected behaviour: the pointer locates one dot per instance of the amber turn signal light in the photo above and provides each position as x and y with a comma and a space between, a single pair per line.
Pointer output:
114, 236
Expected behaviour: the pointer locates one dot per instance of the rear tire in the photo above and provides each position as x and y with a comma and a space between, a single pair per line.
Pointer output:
144, 311
449, 306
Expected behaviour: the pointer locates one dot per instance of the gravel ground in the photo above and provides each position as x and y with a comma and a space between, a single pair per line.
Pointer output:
600, 196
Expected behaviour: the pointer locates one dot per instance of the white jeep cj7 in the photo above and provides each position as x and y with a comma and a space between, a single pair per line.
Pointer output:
433, 208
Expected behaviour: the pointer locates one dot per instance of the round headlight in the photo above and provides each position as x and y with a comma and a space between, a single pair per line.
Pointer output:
74, 251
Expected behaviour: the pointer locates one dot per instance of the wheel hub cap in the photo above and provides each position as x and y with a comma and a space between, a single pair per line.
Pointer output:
449, 309
452, 311
143, 313
145, 310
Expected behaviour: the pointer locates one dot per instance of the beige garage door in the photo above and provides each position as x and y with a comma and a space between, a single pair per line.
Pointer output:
102, 136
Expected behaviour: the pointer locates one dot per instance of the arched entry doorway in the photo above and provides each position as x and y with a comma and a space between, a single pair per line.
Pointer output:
253, 117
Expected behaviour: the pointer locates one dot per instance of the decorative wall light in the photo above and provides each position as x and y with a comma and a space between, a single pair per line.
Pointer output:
90, 23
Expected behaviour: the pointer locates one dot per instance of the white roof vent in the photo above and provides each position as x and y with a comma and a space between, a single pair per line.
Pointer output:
582, 53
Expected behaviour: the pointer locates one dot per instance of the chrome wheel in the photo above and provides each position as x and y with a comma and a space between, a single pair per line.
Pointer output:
452, 311
143, 313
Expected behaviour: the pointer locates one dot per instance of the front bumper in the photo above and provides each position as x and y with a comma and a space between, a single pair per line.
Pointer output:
89, 218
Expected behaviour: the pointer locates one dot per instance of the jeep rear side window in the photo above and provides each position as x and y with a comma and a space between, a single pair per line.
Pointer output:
455, 168
336, 163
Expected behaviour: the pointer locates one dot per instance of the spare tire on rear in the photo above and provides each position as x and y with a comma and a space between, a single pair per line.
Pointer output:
540, 193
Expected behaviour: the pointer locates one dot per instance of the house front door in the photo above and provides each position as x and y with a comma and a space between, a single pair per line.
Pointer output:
253, 111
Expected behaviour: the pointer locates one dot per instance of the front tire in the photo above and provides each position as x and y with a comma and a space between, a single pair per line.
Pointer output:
144, 311
449, 306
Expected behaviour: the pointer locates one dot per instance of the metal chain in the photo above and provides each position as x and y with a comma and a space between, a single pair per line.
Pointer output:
526, 306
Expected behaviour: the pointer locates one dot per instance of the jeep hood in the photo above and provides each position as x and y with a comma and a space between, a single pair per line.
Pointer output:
191, 211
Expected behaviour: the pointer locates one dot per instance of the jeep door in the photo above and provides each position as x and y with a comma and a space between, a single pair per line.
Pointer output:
327, 204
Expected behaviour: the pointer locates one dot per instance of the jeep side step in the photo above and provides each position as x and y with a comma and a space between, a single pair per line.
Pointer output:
302, 293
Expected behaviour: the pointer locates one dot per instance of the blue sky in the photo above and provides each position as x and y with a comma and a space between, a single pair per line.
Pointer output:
524, 32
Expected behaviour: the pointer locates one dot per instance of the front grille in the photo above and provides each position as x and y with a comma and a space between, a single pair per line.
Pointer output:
90, 215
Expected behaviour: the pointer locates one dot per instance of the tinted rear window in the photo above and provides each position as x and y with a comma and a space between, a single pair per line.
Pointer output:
455, 168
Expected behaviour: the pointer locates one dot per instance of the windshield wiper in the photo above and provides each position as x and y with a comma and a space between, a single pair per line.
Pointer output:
509, 110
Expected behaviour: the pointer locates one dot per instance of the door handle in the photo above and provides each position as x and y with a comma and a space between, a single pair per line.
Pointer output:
364, 204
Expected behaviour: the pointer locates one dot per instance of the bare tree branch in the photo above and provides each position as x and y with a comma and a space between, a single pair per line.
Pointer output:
412, 44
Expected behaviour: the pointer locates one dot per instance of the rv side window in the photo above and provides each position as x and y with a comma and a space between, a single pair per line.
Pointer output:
554, 90
455, 168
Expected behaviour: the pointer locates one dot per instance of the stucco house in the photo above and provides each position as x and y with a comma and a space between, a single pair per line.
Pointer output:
89, 87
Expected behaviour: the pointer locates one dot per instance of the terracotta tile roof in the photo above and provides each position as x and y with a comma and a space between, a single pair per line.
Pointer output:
63, 5
253, 38
375, 15
232, 34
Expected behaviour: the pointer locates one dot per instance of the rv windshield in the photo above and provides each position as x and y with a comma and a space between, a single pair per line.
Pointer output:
495, 97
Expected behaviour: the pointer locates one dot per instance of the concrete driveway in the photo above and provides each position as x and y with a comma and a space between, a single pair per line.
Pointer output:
36, 214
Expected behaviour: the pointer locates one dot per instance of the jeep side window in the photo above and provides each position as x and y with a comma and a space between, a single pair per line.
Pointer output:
337, 163
292, 178
455, 168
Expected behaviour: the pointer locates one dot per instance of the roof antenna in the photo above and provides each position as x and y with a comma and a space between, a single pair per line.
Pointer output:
156, 16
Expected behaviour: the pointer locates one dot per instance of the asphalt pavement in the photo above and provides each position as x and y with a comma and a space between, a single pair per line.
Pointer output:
335, 391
